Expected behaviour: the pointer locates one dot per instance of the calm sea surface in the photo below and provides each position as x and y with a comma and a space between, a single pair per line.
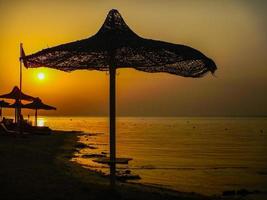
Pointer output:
204, 155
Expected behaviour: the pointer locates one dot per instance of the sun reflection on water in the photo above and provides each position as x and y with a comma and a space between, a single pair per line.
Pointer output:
40, 122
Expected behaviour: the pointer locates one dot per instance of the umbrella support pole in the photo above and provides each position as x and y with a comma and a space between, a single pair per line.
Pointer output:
35, 121
112, 125
16, 115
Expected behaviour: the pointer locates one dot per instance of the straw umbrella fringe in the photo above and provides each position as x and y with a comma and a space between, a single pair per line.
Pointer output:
115, 46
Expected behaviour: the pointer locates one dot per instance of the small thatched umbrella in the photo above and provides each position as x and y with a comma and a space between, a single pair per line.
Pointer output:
115, 46
3, 104
16, 95
36, 105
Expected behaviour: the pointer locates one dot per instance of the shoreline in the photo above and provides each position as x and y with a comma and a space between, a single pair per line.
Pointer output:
39, 167
161, 190
158, 188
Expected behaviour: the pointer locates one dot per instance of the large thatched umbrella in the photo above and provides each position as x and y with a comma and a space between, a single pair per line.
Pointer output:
17, 96
3, 104
36, 105
115, 46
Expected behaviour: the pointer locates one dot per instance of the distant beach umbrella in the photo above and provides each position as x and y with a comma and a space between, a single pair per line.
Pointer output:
36, 105
115, 46
15, 94
3, 104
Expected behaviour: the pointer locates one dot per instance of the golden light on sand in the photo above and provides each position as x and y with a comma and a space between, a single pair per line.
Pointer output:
41, 76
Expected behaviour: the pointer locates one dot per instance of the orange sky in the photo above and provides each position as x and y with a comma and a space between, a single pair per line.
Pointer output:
233, 33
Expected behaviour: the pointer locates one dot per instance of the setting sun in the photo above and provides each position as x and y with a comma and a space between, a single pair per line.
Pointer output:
41, 76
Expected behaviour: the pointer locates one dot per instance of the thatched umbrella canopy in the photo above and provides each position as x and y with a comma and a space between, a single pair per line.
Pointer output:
36, 105
17, 95
115, 46
3, 104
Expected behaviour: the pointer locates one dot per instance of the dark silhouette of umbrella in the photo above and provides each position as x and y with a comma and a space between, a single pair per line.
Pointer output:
3, 104
36, 105
115, 46
15, 94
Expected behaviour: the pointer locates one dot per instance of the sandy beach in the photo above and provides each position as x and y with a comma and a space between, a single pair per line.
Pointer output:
39, 167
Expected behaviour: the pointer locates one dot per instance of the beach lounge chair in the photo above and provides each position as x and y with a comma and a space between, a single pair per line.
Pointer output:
4, 130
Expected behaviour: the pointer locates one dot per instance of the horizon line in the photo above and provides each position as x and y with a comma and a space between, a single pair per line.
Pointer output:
155, 116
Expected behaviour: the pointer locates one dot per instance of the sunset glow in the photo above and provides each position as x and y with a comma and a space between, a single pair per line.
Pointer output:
241, 62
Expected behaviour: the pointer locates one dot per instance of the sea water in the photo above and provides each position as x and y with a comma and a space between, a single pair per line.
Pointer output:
203, 155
